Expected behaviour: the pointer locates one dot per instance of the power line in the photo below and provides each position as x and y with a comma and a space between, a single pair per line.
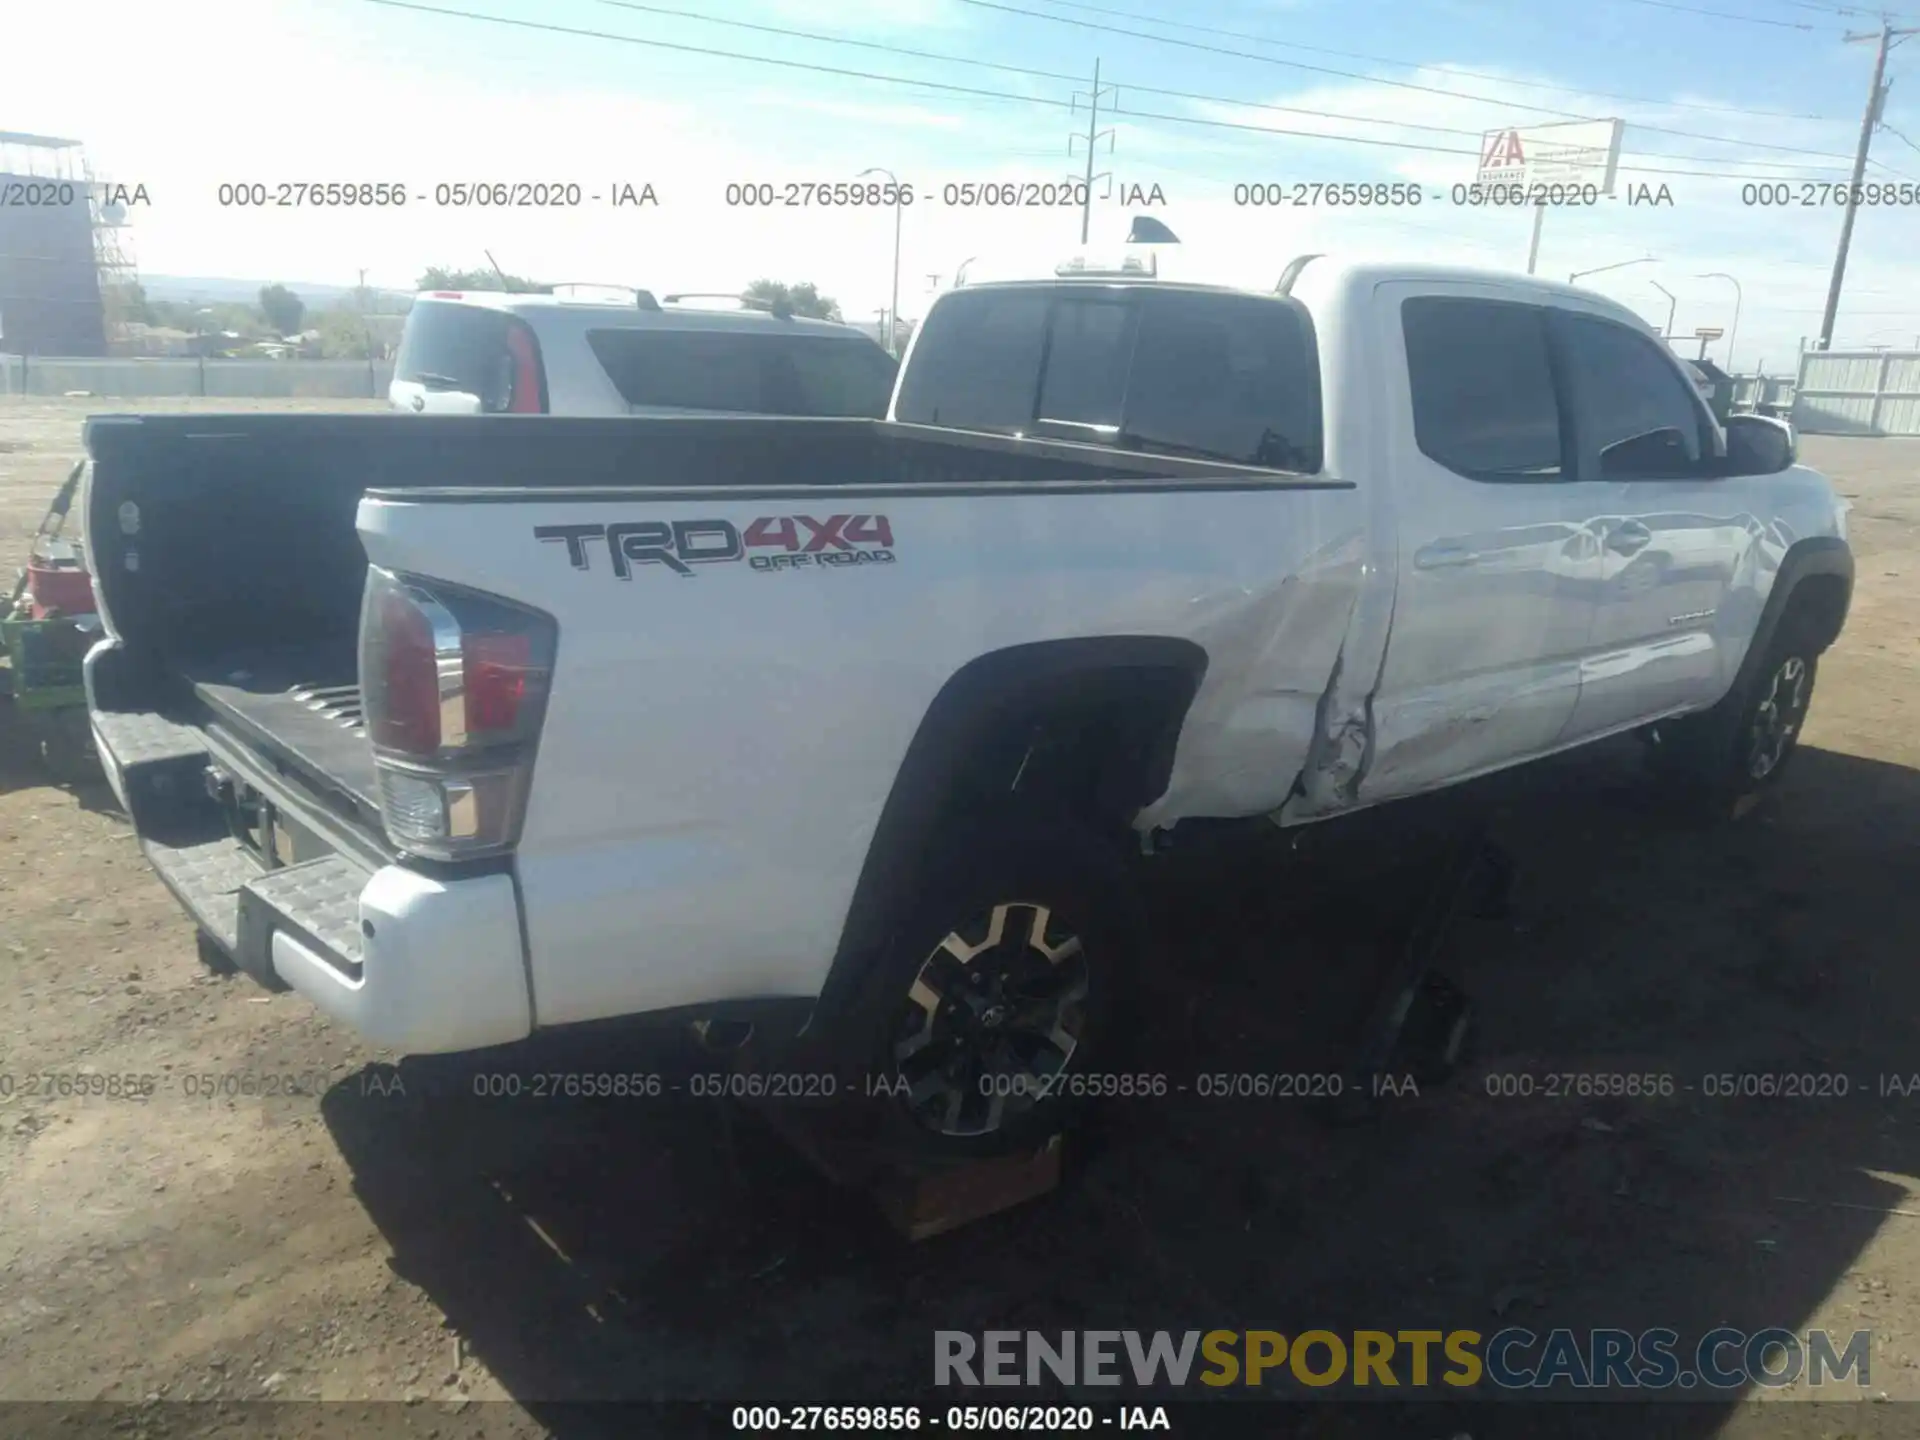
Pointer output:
1726, 15
1419, 65
842, 40
890, 49
1275, 60
1389, 144
574, 30
1852, 10
547, 27
1508, 105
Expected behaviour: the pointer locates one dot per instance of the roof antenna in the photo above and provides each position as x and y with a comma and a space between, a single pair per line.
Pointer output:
1149, 231
497, 270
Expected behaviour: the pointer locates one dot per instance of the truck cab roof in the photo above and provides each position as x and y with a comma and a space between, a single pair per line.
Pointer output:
1318, 279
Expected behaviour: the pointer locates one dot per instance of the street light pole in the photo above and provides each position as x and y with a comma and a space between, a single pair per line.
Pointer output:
893, 312
1733, 334
1673, 304
1617, 265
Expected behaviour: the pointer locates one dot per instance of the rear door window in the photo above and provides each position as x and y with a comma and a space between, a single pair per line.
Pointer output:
1212, 376
1484, 403
461, 348
745, 372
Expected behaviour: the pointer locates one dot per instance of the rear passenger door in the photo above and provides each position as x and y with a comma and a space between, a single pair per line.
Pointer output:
1674, 535
1498, 538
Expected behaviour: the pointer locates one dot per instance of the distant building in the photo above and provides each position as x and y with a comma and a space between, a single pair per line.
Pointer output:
50, 300
155, 340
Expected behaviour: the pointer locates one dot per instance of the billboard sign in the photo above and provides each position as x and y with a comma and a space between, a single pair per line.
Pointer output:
1574, 152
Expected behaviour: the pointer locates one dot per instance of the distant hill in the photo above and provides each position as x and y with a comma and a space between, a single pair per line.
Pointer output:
210, 289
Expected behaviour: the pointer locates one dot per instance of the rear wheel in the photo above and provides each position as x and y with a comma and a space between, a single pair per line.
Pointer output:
998, 996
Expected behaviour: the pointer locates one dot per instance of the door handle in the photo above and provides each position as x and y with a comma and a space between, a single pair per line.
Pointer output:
1629, 539
1444, 556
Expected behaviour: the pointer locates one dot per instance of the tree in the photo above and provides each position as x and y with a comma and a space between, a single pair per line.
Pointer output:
344, 334
802, 299
439, 277
127, 302
284, 309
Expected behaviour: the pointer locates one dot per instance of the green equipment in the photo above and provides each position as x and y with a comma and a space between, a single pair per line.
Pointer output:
47, 626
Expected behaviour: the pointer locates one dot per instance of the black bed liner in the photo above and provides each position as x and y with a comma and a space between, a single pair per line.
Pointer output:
298, 708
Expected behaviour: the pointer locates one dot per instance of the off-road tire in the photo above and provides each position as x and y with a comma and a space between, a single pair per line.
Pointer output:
1722, 762
1041, 883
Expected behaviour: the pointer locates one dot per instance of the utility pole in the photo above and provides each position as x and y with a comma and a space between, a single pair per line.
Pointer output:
1887, 38
1093, 137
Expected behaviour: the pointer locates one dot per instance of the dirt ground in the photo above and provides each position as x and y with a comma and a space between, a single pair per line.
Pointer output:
354, 1242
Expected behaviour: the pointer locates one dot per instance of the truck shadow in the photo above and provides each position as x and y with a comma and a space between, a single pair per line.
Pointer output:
674, 1248
24, 767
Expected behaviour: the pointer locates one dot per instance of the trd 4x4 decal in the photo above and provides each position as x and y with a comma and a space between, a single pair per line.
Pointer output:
783, 542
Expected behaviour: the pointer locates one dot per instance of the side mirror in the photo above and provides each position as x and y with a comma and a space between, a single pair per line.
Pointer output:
1757, 445
1657, 452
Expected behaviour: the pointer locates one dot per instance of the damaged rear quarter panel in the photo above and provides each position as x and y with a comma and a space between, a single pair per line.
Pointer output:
1271, 651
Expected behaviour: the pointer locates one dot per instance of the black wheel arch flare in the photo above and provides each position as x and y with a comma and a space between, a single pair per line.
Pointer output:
1160, 676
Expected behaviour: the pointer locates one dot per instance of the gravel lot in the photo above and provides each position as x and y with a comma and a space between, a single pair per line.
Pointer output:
360, 1243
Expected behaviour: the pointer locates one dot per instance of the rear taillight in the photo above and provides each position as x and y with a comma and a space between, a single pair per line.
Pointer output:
528, 393
454, 686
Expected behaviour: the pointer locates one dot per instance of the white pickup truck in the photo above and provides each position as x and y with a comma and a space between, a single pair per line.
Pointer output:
470, 727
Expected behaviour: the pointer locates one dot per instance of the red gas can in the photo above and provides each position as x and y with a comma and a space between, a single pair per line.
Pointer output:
58, 586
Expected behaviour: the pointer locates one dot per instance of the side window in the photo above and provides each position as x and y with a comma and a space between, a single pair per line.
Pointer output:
683, 369
819, 376
1638, 415
1484, 402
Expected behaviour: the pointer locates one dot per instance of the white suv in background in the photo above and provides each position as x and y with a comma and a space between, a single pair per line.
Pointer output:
605, 350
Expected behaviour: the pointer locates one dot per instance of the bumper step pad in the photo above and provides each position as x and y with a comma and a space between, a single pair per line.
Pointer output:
206, 877
317, 901
161, 762
241, 905
144, 738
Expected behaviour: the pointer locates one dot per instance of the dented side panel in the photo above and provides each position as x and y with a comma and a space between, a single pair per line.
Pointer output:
1467, 655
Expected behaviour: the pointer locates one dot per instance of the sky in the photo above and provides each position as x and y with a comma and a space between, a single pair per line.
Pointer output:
1196, 97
